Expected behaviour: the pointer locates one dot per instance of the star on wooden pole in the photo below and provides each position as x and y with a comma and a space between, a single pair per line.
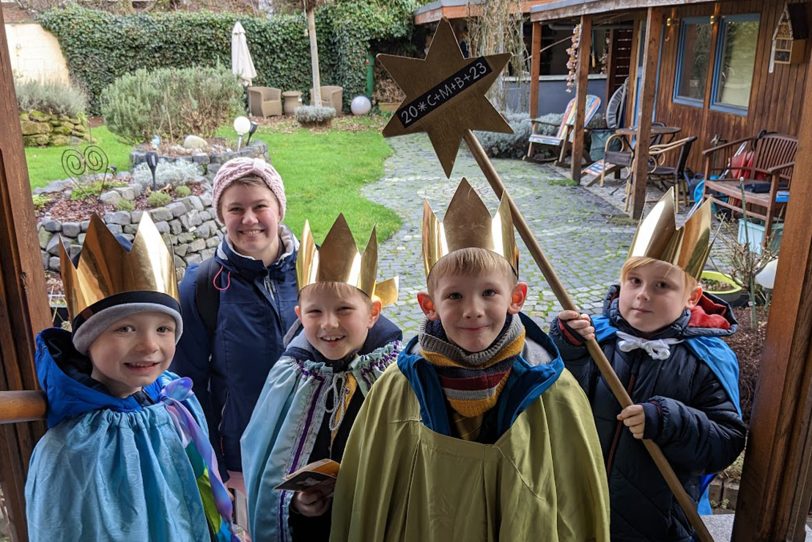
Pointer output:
445, 94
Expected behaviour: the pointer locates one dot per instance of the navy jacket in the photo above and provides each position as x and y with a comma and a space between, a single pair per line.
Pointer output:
256, 310
689, 414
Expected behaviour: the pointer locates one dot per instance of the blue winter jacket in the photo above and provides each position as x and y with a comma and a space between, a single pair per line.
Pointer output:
690, 406
256, 310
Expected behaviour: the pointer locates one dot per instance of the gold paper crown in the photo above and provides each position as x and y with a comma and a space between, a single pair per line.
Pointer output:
338, 260
468, 224
686, 247
106, 268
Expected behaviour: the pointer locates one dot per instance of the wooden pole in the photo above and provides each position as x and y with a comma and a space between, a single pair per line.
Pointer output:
21, 406
535, 70
774, 495
688, 506
23, 303
314, 53
654, 25
584, 49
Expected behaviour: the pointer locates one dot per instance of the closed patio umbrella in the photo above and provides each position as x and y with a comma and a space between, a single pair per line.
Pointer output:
241, 64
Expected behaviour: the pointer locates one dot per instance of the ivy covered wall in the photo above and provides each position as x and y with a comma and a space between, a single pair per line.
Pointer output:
100, 46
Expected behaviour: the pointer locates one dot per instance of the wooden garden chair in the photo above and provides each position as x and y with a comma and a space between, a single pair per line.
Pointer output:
764, 169
564, 136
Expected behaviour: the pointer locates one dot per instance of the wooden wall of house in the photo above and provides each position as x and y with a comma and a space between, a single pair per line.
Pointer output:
775, 98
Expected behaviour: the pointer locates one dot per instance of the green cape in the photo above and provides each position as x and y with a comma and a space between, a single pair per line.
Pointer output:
544, 479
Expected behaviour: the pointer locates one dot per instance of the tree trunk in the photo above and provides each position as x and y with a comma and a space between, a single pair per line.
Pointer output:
314, 56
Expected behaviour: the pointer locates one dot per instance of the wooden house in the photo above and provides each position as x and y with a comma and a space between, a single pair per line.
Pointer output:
719, 70
722, 71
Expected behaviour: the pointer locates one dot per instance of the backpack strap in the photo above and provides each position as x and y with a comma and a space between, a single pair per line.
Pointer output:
207, 297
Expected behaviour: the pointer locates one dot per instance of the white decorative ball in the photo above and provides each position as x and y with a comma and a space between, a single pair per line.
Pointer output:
360, 105
242, 125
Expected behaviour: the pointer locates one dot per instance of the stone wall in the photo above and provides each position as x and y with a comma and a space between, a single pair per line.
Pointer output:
45, 129
187, 225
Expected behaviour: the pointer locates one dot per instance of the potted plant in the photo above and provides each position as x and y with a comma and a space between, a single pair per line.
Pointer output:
724, 287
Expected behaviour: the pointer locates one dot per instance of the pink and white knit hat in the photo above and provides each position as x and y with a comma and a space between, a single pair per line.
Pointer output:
237, 168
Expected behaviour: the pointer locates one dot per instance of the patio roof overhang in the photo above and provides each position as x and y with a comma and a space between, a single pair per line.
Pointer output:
460, 9
562, 9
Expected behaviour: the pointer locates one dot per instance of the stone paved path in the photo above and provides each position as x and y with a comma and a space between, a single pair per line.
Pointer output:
584, 237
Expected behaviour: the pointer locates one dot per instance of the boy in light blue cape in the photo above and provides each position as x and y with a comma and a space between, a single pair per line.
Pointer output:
126, 456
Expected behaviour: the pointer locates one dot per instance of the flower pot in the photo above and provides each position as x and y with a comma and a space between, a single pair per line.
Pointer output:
726, 288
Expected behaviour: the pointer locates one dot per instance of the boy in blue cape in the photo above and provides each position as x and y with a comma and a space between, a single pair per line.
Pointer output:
126, 456
662, 335
314, 392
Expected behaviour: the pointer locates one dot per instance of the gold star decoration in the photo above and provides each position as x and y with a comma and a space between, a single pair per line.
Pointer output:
445, 94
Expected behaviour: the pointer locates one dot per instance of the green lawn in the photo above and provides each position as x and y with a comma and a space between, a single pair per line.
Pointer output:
45, 163
323, 171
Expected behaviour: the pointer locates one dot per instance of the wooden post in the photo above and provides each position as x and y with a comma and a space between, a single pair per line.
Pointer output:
774, 496
610, 68
631, 91
23, 303
654, 26
584, 49
310, 12
535, 70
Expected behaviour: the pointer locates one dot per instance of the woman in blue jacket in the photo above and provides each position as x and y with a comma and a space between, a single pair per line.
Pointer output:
253, 278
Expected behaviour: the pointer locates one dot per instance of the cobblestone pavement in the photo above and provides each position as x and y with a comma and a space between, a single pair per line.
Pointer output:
583, 231
584, 237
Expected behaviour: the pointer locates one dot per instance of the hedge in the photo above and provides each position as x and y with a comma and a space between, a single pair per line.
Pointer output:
100, 46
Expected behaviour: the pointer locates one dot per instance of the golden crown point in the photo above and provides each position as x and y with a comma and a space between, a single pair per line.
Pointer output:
338, 260
468, 224
686, 247
106, 268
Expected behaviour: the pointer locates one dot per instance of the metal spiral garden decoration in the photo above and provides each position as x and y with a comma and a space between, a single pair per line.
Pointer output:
76, 163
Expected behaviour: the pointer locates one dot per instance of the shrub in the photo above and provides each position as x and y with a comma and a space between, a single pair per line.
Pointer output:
171, 103
183, 191
40, 201
50, 97
174, 173
158, 199
125, 205
498, 145
314, 115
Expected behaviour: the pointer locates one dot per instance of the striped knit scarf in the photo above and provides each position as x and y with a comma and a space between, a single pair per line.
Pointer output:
472, 382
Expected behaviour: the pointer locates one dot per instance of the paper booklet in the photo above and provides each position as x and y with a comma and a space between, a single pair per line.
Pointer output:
317, 475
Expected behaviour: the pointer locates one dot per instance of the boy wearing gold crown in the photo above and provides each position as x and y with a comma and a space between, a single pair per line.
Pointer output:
478, 433
126, 455
313, 393
662, 335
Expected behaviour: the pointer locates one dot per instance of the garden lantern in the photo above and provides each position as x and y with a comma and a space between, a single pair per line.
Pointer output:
152, 162
242, 126
251, 131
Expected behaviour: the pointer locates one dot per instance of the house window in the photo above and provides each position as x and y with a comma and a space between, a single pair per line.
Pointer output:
693, 61
733, 73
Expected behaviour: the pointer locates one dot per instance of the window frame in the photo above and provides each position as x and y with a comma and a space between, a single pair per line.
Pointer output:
713, 104
676, 97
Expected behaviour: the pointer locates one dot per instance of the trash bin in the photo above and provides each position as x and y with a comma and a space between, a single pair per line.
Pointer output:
291, 100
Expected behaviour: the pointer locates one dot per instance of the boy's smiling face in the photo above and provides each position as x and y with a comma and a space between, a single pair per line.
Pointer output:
133, 352
336, 321
473, 308
654, 295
